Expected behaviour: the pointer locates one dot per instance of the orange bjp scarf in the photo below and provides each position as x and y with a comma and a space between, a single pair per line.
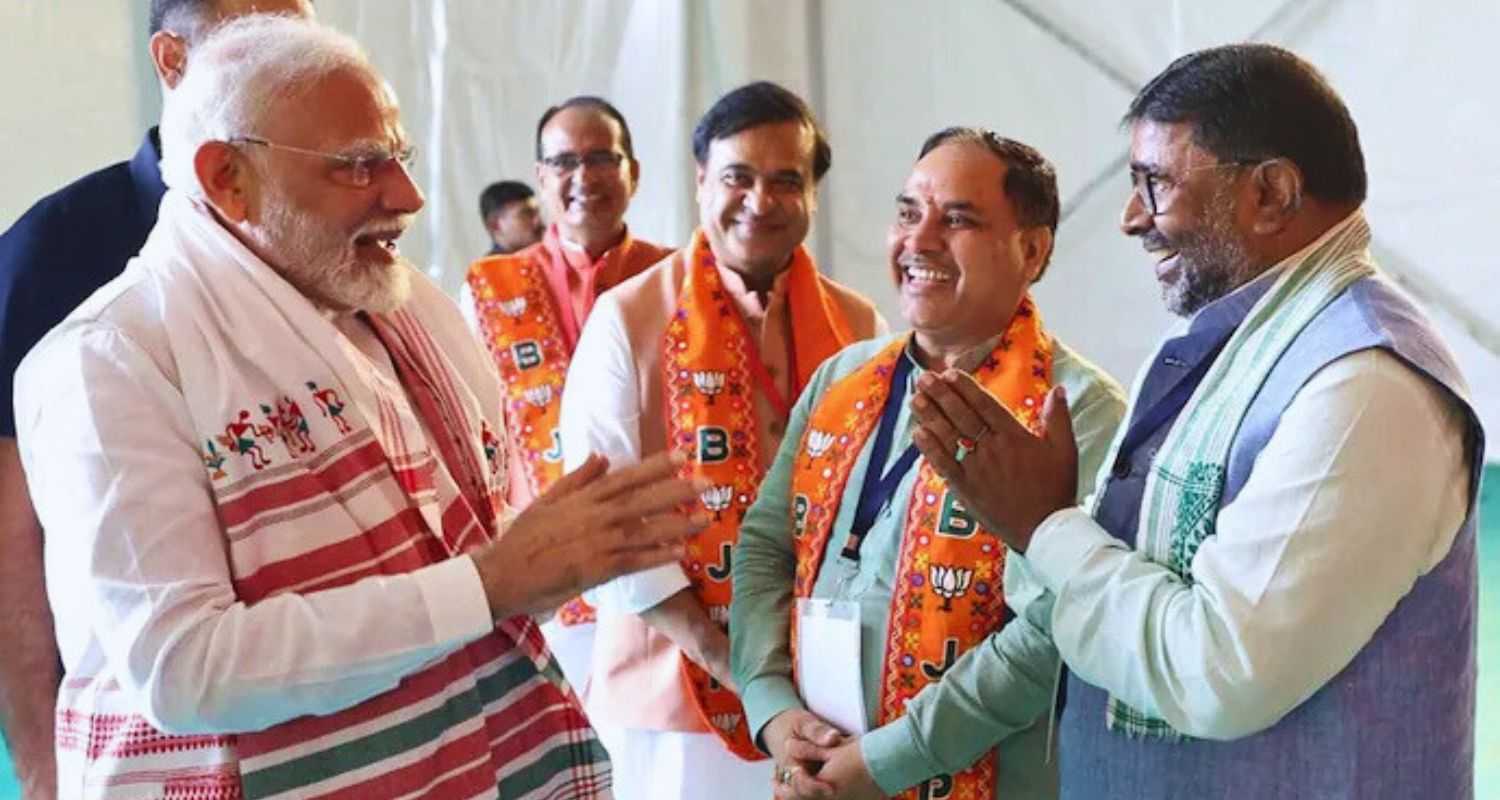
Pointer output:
948, 593
712, 369
524, 328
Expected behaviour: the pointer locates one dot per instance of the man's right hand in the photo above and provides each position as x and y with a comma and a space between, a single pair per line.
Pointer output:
800, 741
30, 671
588, 528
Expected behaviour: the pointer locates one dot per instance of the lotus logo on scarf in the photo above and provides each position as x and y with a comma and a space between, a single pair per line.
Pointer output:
818, 443
950, 583
538, 396
717, 498
726, 722
709, 382
514, 307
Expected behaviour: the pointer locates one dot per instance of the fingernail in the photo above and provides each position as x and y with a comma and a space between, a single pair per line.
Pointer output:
701, 483
919, 401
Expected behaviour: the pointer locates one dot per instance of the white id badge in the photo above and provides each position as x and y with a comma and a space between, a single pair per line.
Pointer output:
828, 663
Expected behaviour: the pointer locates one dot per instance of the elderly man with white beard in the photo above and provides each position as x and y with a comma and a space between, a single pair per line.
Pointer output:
268, 463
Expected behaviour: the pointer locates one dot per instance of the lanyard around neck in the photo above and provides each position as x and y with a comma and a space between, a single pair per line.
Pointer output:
878, 488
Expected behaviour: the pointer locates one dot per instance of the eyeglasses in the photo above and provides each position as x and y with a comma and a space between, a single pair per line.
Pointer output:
564, 163
1152, 187
353, 170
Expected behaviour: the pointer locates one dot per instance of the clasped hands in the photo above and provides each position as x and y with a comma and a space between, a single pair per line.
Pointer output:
815, 761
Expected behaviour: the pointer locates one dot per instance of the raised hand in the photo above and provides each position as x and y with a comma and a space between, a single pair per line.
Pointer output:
588, 528
1009, 479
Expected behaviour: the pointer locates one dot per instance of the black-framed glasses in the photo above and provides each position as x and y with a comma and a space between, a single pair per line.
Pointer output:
1152, 187
356, 170
564, 163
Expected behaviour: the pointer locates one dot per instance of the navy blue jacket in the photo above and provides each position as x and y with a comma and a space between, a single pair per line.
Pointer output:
67, 245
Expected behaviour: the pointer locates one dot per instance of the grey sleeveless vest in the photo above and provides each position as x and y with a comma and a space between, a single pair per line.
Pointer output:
1398, 722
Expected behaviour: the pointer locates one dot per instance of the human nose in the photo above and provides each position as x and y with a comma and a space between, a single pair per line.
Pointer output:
925, 234
1135, 217
759, 199
399, 191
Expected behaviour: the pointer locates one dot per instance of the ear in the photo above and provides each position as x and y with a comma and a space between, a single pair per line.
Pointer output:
169, 56
1036, 249
541, 173
635, 175
698, 181
1278, 194
225, 180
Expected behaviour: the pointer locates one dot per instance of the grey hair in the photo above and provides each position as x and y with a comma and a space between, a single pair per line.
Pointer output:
189, 19
238, 75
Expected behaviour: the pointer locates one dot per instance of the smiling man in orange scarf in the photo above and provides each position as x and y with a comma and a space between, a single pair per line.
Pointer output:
529, 307
850, 516
703, 354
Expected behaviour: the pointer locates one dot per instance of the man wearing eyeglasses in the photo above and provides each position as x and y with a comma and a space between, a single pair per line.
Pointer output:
1272, 592
63, 248
269, 462
702, 355
528, 307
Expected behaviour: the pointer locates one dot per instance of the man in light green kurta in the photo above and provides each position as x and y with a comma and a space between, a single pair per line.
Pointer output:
973, 230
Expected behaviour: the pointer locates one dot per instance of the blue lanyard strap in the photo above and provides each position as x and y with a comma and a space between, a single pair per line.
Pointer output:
878, 488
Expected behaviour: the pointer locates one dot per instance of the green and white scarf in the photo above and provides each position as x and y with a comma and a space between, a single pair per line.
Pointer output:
1179, 509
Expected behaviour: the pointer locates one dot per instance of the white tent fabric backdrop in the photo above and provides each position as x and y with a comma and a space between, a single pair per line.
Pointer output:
474, 75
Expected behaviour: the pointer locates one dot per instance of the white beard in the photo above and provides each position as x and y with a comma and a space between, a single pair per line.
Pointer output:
324, 264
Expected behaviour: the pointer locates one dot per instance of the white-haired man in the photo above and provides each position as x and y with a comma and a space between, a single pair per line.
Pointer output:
46, 269
267, 462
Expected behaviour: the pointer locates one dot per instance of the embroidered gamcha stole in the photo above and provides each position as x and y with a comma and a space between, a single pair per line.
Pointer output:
1180, 504
324, 472
712, 370
531, 333
947, 594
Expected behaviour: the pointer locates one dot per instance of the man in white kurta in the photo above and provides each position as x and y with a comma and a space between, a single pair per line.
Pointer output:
756, 191
266, 461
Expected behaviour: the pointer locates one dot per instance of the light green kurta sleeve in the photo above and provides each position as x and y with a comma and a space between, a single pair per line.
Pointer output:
1004, 685
764, 564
